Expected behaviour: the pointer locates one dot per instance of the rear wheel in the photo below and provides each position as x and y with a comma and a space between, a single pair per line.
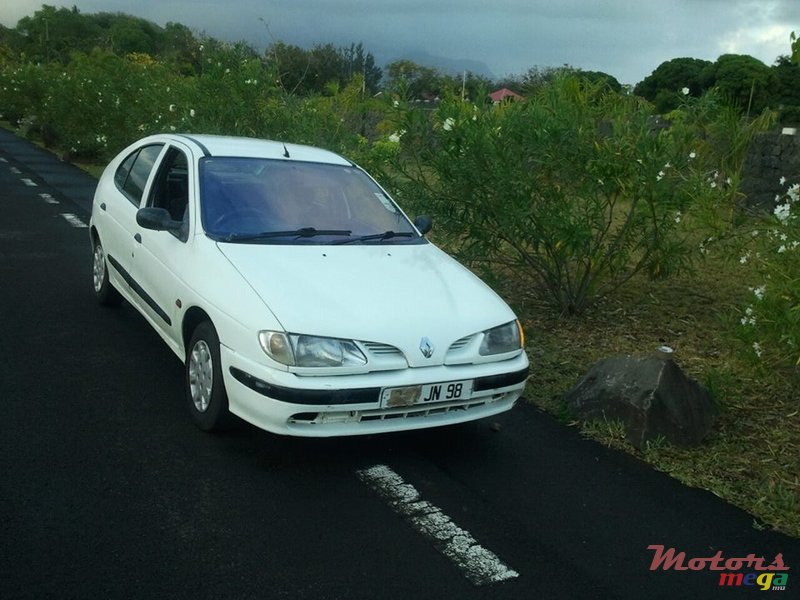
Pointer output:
103, 290
205, 390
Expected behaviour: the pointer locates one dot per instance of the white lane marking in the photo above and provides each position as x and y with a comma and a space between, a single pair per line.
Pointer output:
48, 198
74, 220
3, 160
480, 565
15, 170
28, 182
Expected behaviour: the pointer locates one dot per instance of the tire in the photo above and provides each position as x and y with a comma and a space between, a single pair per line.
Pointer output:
205, 389
103, 290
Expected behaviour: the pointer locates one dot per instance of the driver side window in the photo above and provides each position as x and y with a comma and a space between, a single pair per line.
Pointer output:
170, 190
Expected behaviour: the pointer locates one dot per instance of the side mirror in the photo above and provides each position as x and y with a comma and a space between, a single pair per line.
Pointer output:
157, 219
424, 223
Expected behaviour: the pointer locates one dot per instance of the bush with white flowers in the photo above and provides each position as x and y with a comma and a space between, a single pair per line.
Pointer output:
575, 189
769, 325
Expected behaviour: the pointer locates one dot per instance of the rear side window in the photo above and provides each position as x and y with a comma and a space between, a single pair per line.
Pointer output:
132, 174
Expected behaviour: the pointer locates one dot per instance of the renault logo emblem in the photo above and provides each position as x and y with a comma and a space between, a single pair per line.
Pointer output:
426, 347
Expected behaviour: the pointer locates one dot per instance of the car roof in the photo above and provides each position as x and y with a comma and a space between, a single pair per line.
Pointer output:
221, 145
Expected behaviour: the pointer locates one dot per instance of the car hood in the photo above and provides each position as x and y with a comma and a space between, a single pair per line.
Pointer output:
392, 294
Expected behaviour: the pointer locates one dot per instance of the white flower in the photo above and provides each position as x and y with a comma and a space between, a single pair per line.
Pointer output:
757, 349
667, 166
782, 237
171, 108
794, 192
703, 249
660, 176
685, 91
783, 212
743, 258
759, 292
448, 123
395, 137
713, 184
191, 112
395, 103
728, 181
692, 154
748, 311
782, 180
678, 216
754, 233
782, 249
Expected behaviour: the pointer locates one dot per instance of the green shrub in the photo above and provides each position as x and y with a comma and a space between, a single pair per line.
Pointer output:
577, 188
769, 325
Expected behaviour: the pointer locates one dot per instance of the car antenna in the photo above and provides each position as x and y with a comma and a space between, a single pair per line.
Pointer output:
285, 152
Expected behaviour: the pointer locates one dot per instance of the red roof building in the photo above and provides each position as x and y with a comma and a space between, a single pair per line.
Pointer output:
504, 94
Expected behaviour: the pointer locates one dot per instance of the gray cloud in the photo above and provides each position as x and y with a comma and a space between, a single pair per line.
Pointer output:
626, 38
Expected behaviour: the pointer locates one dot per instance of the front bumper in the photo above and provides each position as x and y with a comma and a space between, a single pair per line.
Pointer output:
288, 404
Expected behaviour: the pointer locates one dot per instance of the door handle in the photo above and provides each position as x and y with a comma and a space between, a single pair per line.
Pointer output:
138, 238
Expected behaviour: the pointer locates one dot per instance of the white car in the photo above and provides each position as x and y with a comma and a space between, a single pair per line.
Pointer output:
297, 293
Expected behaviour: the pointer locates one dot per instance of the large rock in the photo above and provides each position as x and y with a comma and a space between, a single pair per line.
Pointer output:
650, 395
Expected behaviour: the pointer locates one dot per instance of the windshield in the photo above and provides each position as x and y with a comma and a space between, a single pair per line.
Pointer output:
254, 200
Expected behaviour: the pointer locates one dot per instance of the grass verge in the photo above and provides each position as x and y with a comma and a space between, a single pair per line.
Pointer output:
752, 457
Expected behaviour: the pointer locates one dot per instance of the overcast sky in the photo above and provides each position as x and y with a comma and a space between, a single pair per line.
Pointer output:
626, 38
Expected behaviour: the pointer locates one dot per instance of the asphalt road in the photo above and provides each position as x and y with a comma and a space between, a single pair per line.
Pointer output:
108, 491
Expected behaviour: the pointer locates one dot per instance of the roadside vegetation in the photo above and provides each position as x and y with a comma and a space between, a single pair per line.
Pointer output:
612, 221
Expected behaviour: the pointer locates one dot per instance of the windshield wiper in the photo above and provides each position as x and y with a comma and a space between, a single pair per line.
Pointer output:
303, 232
376, 236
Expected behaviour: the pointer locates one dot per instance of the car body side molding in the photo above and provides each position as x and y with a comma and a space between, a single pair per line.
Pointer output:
139, 290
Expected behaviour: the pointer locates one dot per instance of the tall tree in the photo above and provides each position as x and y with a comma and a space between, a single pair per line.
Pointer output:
357, 61
324, 66
416, 81
787, 90
53, 33
663, 87
745, 81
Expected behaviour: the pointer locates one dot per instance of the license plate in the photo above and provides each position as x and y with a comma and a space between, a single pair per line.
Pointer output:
425, 394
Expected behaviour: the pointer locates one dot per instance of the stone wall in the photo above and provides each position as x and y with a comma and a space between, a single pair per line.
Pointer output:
770, 157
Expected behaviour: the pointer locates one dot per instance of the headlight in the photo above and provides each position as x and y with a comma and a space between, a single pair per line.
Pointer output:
502, 339
310, 351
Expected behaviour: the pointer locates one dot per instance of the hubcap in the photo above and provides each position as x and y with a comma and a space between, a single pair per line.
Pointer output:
98, 268
201, 375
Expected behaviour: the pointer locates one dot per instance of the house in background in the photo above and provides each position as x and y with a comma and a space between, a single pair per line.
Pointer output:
504, 94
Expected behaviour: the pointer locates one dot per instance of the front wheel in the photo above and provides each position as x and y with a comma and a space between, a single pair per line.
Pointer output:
205, 390
103, 290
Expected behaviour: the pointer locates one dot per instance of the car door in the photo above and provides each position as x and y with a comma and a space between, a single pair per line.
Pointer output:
161, 257
118, 207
